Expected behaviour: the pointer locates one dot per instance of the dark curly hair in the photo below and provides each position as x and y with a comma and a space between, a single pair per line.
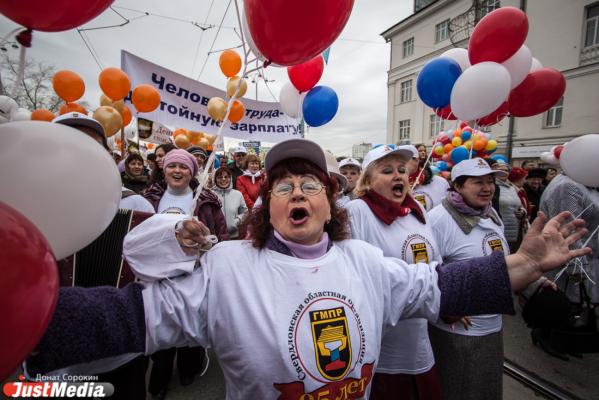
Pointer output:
158, 173
257, 222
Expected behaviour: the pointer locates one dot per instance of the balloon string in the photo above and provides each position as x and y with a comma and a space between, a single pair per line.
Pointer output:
203, 178
4, 40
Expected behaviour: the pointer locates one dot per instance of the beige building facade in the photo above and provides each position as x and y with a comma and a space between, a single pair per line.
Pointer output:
562, 34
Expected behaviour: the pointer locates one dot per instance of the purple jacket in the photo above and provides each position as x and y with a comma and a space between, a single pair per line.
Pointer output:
208, 209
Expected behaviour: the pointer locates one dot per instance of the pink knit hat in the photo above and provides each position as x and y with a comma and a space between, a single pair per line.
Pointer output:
183, 157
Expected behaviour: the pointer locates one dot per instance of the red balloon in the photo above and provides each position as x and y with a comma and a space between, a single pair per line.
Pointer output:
290, 32
537, 93
498, 35
445, 113
463, 124
444, 139
28, 288
495, 116
306, 75
557, 152
52, 16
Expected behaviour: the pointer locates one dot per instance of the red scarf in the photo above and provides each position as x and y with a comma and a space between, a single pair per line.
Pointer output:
387, 210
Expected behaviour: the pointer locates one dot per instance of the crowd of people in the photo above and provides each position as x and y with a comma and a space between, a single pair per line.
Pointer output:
371, 278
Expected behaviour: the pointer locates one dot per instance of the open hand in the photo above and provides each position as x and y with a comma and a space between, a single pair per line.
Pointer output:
547, 243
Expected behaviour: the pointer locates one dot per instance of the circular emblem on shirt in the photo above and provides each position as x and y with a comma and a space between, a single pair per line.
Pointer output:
494, 242
417, 248
336, 342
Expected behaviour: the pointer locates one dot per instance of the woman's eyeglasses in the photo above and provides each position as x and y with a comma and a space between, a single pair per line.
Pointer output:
307, 188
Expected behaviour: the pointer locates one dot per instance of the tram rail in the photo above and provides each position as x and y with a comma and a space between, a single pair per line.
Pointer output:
536, 383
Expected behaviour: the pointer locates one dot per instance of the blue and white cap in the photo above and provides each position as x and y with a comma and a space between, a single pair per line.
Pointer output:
383, 151
473, 167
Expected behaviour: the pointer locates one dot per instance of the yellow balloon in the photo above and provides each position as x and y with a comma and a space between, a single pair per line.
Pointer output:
203, 143
468, 144
117, 105
182, 141
109, 118
456, 141
491, 145
217, 108
232, 86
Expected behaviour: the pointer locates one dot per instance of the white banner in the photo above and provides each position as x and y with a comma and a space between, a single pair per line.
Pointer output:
183, 104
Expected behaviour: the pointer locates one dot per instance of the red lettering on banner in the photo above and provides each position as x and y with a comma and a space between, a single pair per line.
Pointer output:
347, 389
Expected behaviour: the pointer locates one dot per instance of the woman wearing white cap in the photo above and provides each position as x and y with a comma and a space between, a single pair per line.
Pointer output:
387, 216
469, 350
350, 168
298, 311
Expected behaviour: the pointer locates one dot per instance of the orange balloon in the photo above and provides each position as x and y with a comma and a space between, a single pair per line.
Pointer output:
457, 132
72, 107
230, 63
181, 131
41, 114
480, 143
126, 114
210, 148
68, 85
114, 83
195, 137
237, 111
150, 146
145, 98
448, 147
182, 142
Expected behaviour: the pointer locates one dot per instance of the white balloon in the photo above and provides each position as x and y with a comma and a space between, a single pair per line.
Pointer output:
549, 158
460, 56
480, 90
8, 107
579, 160
291, 100
62, 180
519, 65
22, 114
535, 65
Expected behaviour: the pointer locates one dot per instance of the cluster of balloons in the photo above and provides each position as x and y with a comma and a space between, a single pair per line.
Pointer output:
495, 77
301, 97
230, 65
184, 138
455, 145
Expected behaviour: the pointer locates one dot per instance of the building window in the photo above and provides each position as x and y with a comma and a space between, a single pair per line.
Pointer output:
486, 6
408, 47
404, 129
406, 91
436, 125
553, 118
442, 31
591, 36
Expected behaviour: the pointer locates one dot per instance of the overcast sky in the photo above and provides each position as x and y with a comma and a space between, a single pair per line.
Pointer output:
357, 68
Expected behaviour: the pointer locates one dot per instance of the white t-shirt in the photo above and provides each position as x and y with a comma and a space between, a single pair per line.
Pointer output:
455, 245
282, 327
431, 195
175, 204
136, 202
406, 348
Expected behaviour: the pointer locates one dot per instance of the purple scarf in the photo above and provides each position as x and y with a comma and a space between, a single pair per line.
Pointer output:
457, 201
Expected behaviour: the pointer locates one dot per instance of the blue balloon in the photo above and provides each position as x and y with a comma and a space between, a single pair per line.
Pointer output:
320, 105
459, 154
435, 170
500, 157
436, 80
466, 135
442, 165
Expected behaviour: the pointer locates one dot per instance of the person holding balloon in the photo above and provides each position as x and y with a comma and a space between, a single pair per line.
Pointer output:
427, 189
175, 195
387, 216
469, 349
